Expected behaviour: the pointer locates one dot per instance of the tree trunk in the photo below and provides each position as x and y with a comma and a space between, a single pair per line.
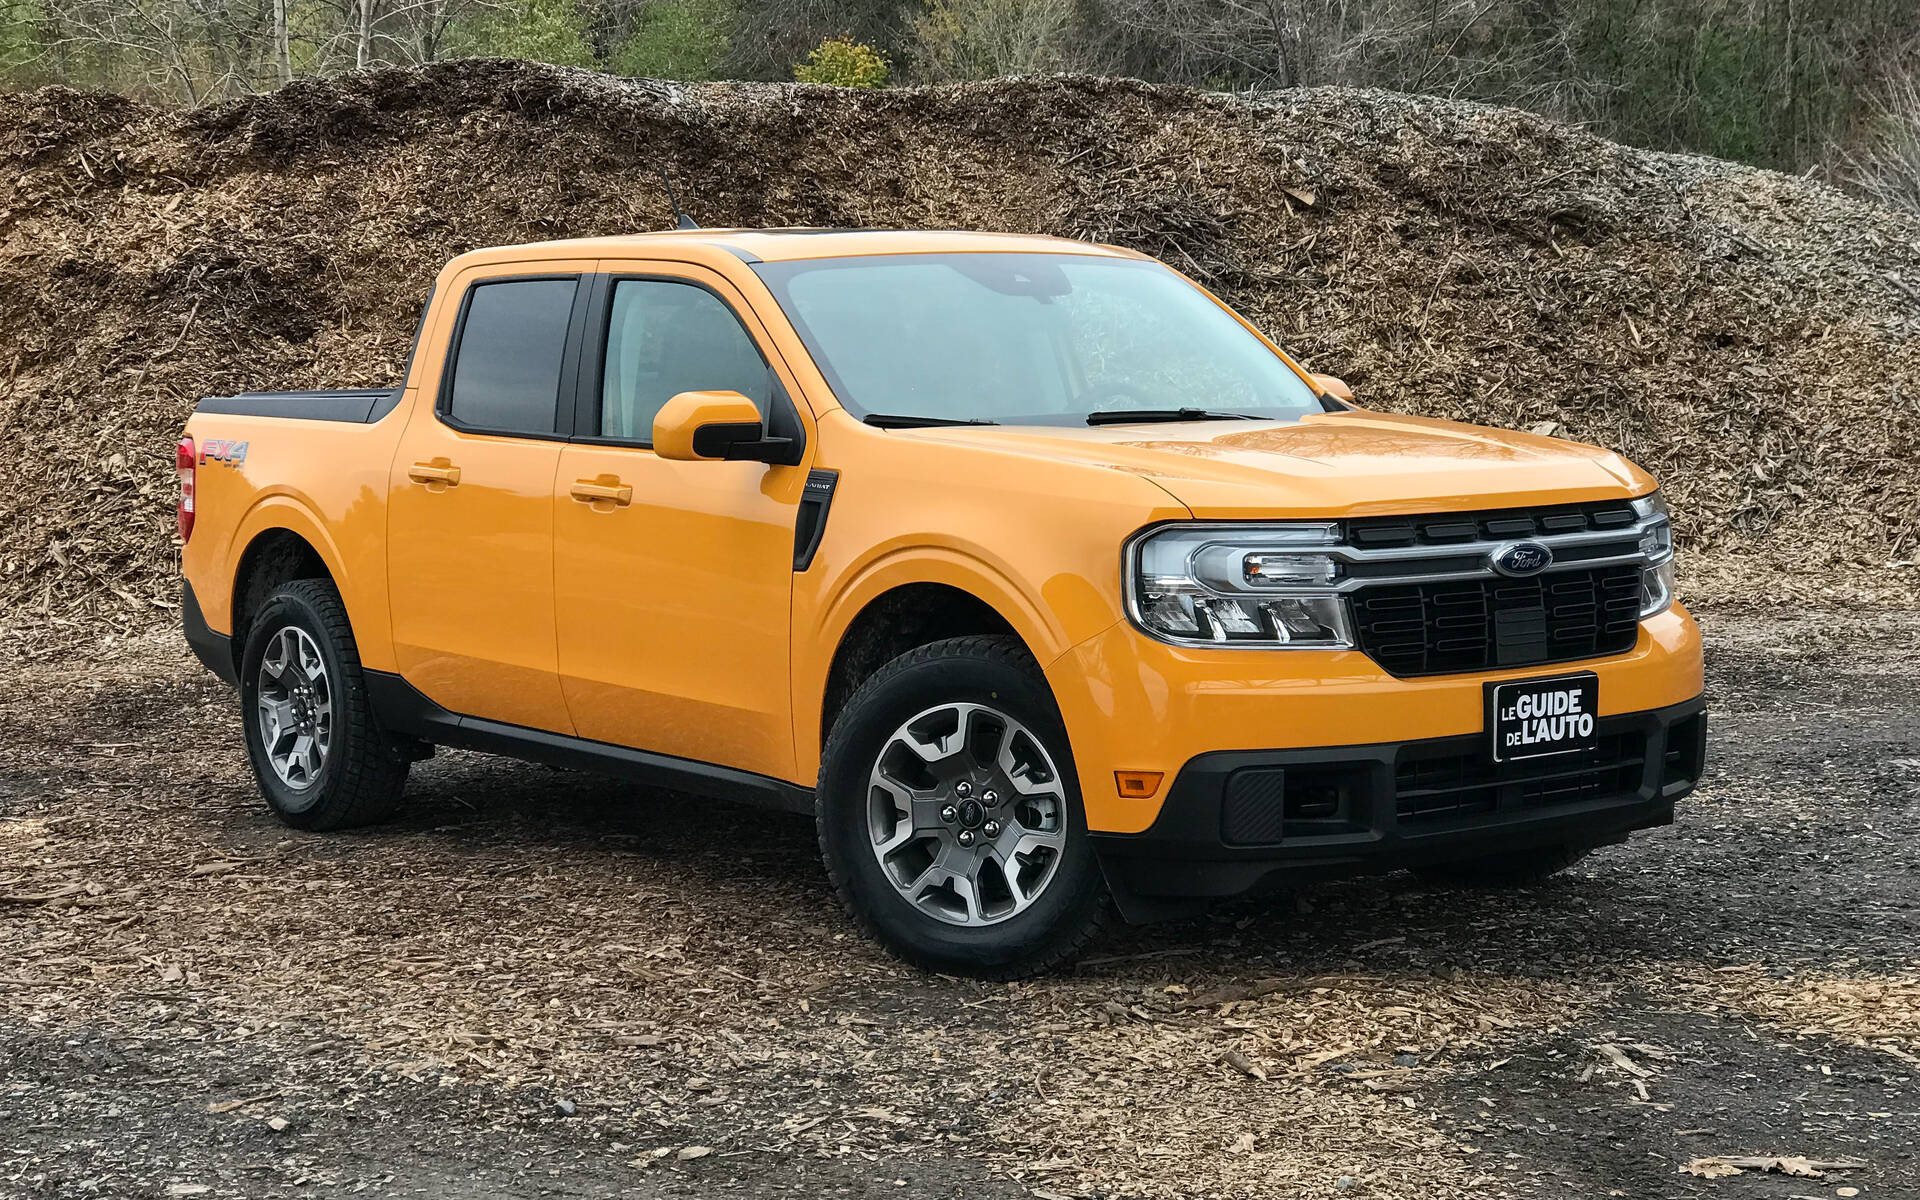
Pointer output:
282, 50
363, 47
429, 47
1790, 102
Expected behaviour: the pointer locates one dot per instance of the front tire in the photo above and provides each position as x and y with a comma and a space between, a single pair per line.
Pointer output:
321, 759
950, 818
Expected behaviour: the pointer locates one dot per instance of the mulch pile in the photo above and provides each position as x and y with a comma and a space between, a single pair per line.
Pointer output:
1749, 337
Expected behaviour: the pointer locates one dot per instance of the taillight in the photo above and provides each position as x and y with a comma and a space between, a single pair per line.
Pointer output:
184, 459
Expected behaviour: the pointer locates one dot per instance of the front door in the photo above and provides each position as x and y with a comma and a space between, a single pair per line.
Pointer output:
470, 507
673, 580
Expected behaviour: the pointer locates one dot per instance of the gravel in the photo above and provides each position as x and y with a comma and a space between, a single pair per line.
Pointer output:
416, 1002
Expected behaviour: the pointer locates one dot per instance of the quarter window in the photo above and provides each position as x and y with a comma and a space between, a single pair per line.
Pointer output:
664, 338
506, 370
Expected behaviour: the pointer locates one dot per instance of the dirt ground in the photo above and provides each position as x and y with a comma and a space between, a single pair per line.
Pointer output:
538, 983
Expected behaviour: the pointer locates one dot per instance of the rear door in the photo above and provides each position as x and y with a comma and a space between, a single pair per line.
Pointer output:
673, 598
470, 508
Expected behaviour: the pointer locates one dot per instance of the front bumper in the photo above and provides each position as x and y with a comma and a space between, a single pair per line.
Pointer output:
1131, 703
1244, 821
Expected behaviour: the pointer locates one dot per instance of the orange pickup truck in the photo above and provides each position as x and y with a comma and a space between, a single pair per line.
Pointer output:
1045, 582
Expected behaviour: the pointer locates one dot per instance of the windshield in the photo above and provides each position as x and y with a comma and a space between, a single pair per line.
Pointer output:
1027, 339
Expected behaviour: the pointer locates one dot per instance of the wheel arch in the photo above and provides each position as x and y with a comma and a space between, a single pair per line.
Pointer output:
279, 543
899, 603
893, 621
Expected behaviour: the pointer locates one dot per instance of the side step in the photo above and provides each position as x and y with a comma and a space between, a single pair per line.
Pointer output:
404, 709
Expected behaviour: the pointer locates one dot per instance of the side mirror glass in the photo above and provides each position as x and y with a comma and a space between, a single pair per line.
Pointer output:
714, 425
1333, 385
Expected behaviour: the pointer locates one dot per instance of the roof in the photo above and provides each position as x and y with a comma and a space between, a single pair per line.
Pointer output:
777, 245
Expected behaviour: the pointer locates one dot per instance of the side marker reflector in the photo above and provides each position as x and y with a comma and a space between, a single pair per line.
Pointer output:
1137, 785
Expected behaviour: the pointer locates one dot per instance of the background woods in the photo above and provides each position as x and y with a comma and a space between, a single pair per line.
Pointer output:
1829, 86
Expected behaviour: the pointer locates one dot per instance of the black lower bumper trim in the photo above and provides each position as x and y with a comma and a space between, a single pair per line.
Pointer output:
214, 650
1246, 821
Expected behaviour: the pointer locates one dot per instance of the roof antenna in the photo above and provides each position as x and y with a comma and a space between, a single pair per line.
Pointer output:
680, 219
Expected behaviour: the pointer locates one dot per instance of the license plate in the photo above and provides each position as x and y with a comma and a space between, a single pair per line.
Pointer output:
1532, 718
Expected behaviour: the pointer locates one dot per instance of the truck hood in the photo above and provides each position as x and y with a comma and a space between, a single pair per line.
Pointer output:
1341, 464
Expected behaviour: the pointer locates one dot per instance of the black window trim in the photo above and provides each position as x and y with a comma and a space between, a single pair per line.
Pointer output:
382, 407
563, 412
782, 421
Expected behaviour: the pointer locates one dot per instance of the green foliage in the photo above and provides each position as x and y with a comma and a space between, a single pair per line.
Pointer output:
676, 39
1731, 72
1751, 83
1672, 84
843, 62
548, 31
20, 35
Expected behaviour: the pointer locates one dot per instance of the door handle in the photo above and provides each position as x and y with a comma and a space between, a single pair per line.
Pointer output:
595, 492
437, 471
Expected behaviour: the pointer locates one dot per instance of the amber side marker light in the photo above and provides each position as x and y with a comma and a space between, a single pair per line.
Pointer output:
1137, 785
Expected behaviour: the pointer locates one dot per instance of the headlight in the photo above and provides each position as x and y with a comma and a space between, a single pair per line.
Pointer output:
1656, 589
1263, 586
1656, 543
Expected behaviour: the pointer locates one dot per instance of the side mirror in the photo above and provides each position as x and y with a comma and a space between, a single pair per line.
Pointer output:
714, 425
1333, 385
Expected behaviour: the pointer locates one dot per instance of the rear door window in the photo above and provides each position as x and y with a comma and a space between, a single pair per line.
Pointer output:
664, 338
506, 367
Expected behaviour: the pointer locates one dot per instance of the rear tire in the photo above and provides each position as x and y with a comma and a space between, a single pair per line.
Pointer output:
321, 759
949, 814
1510, 870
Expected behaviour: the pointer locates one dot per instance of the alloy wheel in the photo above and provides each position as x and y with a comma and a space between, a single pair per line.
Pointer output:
967, 814
295, 707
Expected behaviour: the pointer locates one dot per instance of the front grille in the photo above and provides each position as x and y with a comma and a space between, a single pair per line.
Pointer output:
1433, 788
1498, 525
1457, 625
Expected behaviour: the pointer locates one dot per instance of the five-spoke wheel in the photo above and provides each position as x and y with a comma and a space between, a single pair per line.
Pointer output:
295, 707
967, 813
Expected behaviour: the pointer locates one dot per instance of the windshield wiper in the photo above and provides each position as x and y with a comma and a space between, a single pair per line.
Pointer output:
904, 421
1141, 416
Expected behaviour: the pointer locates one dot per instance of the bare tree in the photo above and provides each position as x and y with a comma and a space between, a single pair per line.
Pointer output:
177, 48
981, 39
1883, 160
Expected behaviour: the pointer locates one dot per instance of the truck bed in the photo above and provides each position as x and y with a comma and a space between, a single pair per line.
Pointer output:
360, 405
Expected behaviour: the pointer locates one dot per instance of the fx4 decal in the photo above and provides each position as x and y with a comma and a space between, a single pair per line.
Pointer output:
221, 450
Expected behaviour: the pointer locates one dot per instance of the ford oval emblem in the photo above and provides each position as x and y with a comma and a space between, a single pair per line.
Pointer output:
1522, 559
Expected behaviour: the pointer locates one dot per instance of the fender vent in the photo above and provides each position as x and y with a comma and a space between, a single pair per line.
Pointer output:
810, 524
